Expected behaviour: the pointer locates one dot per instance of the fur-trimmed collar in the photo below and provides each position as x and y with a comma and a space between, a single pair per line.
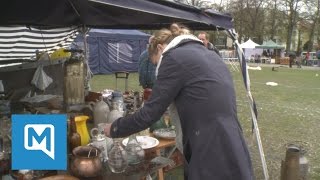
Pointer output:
175, 43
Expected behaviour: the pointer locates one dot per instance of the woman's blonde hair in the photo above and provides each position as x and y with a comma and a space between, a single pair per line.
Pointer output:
165, 36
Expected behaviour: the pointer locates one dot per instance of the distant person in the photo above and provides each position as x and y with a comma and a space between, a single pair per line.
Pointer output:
256, 58
307, 58
265, 53
146, 69
291, 60
204, 37
298, 59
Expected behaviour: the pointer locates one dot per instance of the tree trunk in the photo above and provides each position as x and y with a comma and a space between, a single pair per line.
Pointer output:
273, 21
299, 42
289, 36
311, 36
293, 5
313, 28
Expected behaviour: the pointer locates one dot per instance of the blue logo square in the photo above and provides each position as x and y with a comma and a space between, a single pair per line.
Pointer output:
39, 142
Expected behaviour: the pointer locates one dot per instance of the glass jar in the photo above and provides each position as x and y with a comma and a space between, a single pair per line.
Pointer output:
74, 79
134, 151
117, 98
117, 158
114, 114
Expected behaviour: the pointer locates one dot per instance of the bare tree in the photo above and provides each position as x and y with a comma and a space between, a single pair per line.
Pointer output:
197, 3
273, 20
256, 18
237, 8
292, 9
313, 7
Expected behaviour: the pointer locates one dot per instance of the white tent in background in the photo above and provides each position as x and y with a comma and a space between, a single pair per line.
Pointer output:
249, 44
250, 49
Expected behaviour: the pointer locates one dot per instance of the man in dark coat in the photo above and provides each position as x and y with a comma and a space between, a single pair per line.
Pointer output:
204, 37
200, 85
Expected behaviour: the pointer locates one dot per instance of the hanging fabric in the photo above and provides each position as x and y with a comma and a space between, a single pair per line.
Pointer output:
252, 103
40, 79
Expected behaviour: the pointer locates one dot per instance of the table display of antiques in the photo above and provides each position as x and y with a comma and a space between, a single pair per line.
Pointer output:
91, 154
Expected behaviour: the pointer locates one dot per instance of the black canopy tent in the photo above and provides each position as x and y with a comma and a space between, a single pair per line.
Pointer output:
128, 14
40, 15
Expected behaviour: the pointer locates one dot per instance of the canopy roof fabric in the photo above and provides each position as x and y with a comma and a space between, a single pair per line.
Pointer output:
123, 14
249, 44
107, 14
116, 33
22, 43
270, 45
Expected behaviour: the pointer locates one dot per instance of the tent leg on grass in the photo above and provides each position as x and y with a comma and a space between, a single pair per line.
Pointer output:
253, 109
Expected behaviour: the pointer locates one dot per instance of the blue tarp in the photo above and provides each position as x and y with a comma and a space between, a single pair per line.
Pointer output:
112, 50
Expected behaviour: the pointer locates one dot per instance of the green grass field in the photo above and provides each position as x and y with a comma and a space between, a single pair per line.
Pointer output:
287, 113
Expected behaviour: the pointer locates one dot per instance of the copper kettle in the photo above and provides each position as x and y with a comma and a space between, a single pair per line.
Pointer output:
86, 162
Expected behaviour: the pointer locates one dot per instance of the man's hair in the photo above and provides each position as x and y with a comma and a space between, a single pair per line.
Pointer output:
205, 33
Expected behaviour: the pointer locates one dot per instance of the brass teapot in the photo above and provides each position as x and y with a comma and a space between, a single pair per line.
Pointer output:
86, 162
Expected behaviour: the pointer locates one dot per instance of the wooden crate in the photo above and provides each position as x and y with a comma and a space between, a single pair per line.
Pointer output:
284, 61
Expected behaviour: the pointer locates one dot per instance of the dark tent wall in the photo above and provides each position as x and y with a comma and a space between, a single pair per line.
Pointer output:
114, 50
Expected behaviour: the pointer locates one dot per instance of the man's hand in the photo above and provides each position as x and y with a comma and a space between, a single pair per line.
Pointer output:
107, 129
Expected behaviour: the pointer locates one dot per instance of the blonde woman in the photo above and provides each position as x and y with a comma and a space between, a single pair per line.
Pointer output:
199, 85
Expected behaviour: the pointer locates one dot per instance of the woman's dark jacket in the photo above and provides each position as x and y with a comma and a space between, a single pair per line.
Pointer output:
201, 86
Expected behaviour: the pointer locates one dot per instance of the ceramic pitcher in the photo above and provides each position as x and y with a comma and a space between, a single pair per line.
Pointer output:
81, 124
100, 111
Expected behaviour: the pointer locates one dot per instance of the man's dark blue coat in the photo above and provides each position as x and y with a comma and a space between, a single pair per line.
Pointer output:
201, 86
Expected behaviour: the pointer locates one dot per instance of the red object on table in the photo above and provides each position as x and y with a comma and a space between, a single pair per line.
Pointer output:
146, 94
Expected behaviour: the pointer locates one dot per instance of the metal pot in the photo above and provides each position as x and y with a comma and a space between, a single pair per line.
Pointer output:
86, 162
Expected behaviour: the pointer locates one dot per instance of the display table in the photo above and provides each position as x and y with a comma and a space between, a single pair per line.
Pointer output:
157, 163
154, 163
156, 160
163, 143
136, 172
284, 60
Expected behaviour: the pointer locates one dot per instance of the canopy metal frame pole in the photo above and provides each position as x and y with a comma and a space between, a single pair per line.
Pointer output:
246, 79
84, 31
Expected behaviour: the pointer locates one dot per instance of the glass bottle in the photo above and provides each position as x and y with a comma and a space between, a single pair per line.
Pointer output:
117, 158
134, 151
117, 97
115, 113
74, 138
